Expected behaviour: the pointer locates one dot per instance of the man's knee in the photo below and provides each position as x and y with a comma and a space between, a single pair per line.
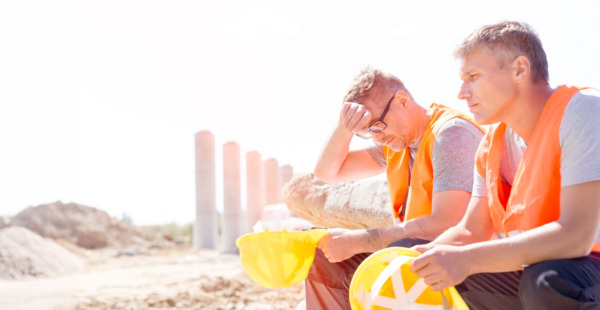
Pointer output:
334, 274
534, 288
546, 285
320, 267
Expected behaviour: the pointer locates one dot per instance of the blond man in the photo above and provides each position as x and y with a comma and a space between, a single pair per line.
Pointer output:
529, 239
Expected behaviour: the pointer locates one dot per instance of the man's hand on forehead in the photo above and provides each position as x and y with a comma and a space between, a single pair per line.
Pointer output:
355, 117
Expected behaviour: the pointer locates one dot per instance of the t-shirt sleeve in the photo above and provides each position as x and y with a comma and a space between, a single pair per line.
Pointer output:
579, 137
453, 155
376, 152
479, 186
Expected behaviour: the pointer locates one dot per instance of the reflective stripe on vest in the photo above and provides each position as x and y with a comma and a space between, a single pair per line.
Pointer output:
421, 180
509, 234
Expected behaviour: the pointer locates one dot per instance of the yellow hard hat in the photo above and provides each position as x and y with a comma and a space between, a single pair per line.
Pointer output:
276, 259
384, 281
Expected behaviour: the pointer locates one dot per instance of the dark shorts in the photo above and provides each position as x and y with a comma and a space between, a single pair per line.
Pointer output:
555, 284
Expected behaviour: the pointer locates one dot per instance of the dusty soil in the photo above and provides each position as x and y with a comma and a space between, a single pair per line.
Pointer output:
175, 278
67, 256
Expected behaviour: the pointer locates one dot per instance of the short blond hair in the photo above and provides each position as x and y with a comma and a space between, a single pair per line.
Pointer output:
506, 41
370, 81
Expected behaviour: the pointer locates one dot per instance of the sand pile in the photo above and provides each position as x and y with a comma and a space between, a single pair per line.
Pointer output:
3, 221
209, 293
84, 226
23, 254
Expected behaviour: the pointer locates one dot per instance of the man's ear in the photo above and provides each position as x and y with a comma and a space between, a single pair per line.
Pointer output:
521, 68
402, 98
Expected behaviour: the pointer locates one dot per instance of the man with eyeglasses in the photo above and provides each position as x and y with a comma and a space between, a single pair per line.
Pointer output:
428, 157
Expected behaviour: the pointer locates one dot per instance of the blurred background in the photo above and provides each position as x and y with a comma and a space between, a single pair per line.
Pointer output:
100, 100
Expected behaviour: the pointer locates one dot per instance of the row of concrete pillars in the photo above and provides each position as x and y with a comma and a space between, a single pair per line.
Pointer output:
264, 180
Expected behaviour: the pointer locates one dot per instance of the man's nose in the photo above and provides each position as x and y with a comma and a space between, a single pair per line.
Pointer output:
464, 93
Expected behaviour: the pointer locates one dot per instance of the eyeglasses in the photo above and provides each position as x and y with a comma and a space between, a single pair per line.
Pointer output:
377, 126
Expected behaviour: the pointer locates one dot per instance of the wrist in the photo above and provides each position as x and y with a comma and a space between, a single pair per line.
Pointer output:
342, 131
381, 237
472, 255
396, 232
372, 238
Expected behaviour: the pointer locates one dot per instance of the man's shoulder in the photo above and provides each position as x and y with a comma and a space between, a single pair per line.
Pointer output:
458, 138
457, 129
586, 96
582, 109
579, 137
593, 93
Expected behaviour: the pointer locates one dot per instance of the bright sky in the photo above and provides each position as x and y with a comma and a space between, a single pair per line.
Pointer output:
100, 100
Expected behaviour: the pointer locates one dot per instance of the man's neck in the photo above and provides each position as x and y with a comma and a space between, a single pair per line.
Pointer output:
421, 119
527, 109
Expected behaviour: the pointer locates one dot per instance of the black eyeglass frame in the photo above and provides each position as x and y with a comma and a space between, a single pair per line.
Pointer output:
376, 127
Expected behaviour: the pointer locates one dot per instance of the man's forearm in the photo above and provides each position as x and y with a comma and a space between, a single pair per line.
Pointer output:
547, 242
425, 228
457, 235
475, 225
333, 155
380, 237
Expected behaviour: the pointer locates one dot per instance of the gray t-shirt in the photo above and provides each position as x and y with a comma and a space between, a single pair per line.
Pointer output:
579, 138
453, 155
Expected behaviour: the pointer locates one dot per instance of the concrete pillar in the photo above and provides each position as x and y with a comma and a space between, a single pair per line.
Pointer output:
272, 190
255, 194
232, 196
205, 227
286, 172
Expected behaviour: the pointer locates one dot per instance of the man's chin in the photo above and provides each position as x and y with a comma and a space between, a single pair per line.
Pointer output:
484, 120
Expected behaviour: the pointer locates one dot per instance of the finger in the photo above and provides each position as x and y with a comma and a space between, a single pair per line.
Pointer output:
421, 248
345, 107
363, 122
347, 117
440, 286
419, 263
433, 279
322, 243
327, 254
430, 269
355, 118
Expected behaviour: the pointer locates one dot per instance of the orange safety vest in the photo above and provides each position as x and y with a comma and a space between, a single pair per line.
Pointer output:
534, 198
421, 179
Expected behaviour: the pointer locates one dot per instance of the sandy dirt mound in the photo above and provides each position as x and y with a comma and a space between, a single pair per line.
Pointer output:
84, 226
209, 293
24, 253
155, 278
3, 221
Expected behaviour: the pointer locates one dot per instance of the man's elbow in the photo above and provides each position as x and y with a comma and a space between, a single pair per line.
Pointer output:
584, 245
444, 226
585, 248
324, 176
